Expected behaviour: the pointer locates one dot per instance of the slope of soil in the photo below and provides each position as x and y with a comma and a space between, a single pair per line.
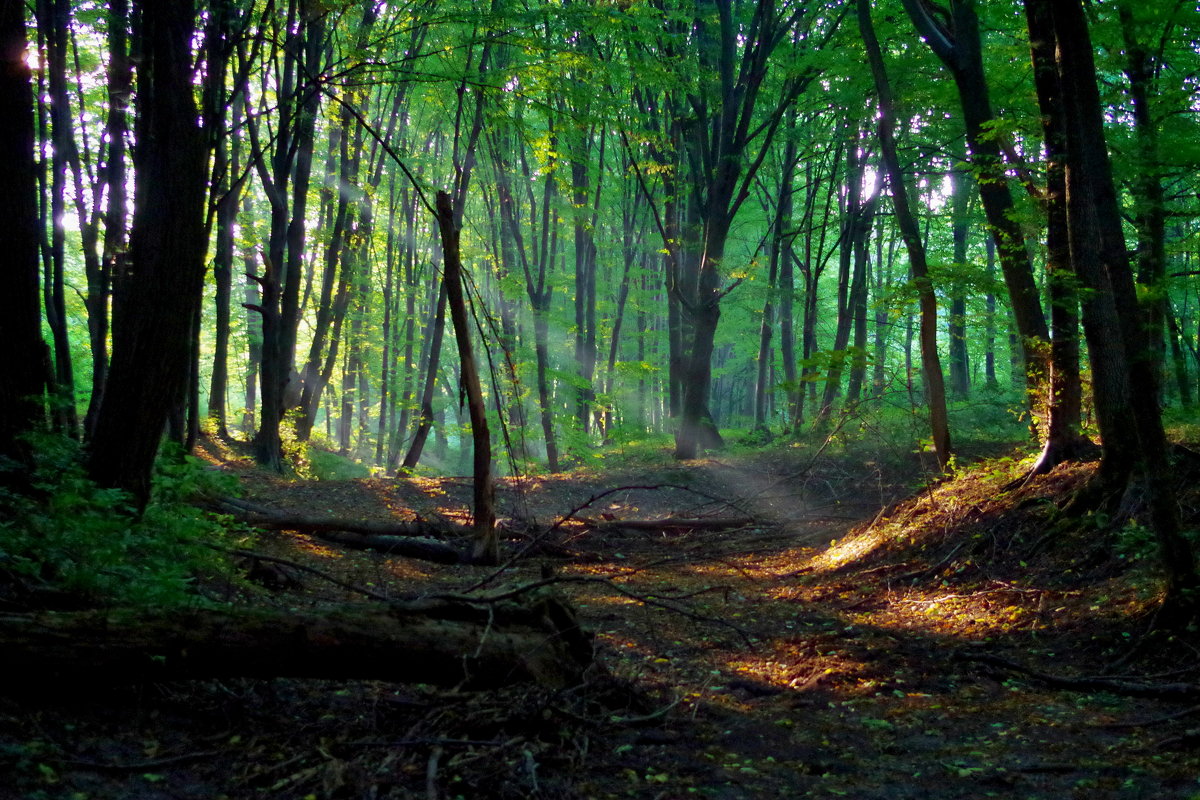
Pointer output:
841, 644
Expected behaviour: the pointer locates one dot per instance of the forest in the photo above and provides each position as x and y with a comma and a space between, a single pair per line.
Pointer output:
599, 398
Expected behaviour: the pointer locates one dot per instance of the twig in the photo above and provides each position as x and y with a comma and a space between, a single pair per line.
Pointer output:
645, 599
541, 537
1146, 723
150, 764
303, 568
431, 771
1168, 691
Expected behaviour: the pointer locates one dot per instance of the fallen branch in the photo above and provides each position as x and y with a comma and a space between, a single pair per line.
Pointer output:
1163, 691
675, 524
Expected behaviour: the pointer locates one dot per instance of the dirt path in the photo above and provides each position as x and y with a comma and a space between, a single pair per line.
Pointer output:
775, 660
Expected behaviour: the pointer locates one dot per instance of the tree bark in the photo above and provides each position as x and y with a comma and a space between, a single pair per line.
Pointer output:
1116, 328
956, 328
22, 351
1064, 438
485, 549
53, 20
440, 642
152, 327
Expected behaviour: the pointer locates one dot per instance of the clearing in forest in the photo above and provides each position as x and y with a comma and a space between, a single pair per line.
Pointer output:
782, 625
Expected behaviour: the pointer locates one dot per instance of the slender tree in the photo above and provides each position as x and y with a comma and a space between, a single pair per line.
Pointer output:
907, 222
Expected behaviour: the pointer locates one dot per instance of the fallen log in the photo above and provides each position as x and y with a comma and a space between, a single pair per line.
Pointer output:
417, 539
264, 517
445, 643
408, 546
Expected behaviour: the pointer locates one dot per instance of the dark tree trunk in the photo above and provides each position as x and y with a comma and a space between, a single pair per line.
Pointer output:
485, 549
120, 81
1115, 327
724, 151
1150, 215
1064, 439
53, 20
544, 246
782, 249
956, 42
960, 369
931, 365
434, 333
222, 302
989, 336
22, 351
1178, 361
585, 278
152, 324
290, 165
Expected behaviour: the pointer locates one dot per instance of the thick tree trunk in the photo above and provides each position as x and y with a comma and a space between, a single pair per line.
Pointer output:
113, 174
152, 329
1117, 334
445, 643
1064, 439
22, 351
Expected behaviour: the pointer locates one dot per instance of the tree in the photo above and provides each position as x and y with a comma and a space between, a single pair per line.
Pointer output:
953, 36
931, 365
724, 144
1114, 324
1064, 439
160, 292
22, 351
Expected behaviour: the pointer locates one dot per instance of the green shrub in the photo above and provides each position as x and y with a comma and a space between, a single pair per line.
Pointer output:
72, 536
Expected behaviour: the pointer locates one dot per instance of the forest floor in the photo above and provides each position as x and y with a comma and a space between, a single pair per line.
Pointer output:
861, 634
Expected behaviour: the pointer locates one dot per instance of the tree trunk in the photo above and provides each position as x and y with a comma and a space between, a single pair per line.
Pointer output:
485, 549
440, 642
113, 171
931, 365
1150, 216
957, 43
960, 370
53, 19
22, 351
1116, 330
1064, 439
152, 327
434, 333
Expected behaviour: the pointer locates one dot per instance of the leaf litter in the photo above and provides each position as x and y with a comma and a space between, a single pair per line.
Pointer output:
830, 647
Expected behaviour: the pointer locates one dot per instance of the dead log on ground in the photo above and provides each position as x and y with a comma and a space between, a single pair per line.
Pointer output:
417, 539
446, 643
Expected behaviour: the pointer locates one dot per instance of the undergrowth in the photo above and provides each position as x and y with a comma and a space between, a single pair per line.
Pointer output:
69, 537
